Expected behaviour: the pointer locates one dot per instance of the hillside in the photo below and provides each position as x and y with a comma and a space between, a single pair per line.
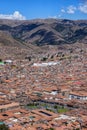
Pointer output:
39, 37
43, 32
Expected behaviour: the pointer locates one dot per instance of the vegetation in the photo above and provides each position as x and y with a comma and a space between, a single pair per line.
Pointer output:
51, 129
32, 106
0, 60
62, 110
65, 57
55, 107
44, 59
52, 57
4, 127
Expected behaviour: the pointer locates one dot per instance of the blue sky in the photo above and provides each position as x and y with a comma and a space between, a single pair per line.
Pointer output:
32, 9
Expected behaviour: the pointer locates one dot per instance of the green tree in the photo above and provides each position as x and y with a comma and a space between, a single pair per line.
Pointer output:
55, 107
0, 60
51, 129
44, 59
4, 127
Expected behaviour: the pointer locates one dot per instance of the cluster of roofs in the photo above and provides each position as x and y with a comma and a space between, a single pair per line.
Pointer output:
58, 82
18, 118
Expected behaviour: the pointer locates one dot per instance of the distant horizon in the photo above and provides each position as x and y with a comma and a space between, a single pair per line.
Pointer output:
45, 19
43, 9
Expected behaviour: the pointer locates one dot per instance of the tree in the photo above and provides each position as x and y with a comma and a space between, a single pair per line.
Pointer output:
51, 129
44, 59
0, 60
55, 106
4, 127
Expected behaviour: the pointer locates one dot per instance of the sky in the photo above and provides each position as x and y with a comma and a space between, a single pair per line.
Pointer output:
41, 9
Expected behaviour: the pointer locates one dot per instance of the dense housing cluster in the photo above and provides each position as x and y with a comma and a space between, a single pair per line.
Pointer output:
46, 93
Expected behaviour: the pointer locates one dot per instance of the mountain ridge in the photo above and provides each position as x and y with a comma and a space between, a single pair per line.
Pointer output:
42, 32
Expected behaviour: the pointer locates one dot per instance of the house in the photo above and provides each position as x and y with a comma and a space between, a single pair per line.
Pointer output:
78, 95
9, 106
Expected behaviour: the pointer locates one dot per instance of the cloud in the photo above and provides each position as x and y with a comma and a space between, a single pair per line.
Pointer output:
60, 15
83, 7
15, 16
71, 9
63, 11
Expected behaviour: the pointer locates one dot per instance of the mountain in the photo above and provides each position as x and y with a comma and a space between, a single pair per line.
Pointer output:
42, 32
